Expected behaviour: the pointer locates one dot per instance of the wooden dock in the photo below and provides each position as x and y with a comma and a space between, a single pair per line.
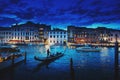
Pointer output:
11, 62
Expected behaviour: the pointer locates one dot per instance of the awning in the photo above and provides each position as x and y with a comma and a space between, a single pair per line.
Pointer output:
16, 41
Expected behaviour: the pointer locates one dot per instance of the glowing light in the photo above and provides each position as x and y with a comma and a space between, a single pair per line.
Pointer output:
13, 46
82, 40
47, 47
105, 38
1, 60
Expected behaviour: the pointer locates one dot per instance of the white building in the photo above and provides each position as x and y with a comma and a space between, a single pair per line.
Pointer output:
24, 33
5, 34
57, 36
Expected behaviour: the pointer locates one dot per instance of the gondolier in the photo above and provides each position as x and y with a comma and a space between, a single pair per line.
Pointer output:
48, 53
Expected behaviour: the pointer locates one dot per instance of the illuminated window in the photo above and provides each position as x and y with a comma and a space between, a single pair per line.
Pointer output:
27, 38
111, 39
41, 32
41, 36
41, 29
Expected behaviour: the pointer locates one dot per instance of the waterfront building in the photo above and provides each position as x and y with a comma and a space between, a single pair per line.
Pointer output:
107, 35
30, 32
24, 33
112, 37
5, 34
57, 36
82, 35
43, 32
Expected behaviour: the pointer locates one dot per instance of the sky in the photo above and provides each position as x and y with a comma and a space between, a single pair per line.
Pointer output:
61, 13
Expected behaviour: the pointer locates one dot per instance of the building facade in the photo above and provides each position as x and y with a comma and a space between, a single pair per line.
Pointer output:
82, 35
24, 33
57, 36
42, 33
5, 34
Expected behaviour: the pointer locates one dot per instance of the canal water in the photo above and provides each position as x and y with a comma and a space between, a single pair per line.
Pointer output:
86, 65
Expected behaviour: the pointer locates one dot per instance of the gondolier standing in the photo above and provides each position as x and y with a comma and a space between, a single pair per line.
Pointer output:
48, 53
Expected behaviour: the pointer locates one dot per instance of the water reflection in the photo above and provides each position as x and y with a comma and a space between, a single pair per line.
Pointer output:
38, 67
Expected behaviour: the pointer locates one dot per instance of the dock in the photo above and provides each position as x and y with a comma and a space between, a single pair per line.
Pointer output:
11, 62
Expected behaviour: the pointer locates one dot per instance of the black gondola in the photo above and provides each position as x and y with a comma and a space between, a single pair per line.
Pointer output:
50, 58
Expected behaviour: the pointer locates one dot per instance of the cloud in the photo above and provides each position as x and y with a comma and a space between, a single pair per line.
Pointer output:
14, 1
7, 21
58, 12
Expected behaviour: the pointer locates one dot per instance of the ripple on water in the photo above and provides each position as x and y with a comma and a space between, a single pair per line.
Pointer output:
90, 64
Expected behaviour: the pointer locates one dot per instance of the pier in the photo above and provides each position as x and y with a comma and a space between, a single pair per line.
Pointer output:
13, 61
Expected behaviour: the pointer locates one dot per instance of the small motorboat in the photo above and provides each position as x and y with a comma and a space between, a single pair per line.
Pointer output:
50, 58
87, 48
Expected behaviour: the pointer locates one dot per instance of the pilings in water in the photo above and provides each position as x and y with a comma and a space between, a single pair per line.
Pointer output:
13, 57
72, 73
25, 59
116, 63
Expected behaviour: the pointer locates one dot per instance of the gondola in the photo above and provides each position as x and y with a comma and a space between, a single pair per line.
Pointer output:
50, 58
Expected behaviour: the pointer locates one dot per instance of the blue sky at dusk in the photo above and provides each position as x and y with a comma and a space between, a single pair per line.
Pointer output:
61, 13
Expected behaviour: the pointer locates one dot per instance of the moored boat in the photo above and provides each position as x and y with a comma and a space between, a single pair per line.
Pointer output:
87, 48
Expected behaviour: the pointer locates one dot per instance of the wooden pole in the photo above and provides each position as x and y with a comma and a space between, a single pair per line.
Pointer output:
72, 70
13, 56
116, 63
25, 57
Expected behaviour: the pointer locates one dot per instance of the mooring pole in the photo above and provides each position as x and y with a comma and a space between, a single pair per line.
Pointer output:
12, 70
72, 70
25, 57
116, 63
13, 56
